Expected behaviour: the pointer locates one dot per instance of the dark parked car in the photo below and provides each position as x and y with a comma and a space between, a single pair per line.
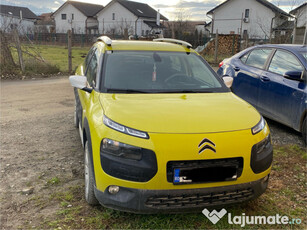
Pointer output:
273, 79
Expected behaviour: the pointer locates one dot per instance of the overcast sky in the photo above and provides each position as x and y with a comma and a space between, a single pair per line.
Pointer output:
194, 9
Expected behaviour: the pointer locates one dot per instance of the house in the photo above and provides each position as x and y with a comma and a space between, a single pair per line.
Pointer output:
299, 31
46, 23
254, 19
79, 17
133, 18
16, 17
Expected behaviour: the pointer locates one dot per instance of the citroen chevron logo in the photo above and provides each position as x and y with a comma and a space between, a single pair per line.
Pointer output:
206, 144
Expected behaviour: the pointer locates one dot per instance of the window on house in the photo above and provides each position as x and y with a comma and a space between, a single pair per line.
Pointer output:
72, 16
247, 13
245, 34
113, 16
63, 16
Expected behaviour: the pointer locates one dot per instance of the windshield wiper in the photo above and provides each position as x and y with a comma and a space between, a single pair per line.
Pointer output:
125, 91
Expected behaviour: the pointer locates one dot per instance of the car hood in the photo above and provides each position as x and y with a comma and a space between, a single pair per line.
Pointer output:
180, 113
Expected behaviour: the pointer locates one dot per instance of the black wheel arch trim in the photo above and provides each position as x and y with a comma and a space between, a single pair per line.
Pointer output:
79, 106
87, 135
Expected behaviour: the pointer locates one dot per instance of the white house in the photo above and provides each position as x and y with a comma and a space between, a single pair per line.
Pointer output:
255, 18
301, 15
300, 24
79, 17
134, 17
16, 17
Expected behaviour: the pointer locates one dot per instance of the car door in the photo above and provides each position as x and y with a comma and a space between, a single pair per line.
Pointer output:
88, 99
248, 70
280, 98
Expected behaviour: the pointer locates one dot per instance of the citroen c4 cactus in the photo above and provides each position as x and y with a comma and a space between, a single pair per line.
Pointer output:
163, 133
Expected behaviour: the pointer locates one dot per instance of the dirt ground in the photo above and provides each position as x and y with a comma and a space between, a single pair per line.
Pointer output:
41, 149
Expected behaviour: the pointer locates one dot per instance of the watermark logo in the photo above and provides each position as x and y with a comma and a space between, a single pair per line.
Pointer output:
244, 220
214, 216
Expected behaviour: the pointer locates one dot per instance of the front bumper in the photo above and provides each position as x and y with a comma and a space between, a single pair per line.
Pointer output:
180, 200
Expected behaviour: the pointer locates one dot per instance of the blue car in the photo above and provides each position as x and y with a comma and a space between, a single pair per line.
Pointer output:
273, 79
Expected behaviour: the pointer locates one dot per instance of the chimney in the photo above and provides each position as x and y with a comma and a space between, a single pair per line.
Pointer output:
158, 18
20, 14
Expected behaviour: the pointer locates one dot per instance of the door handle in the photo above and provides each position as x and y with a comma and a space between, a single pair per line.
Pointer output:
236, 68
265, 78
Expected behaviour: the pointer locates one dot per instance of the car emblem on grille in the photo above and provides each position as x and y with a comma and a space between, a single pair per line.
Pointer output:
206, 144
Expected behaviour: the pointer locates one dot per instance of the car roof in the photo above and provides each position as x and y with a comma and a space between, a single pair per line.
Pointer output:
294, 48
146, 46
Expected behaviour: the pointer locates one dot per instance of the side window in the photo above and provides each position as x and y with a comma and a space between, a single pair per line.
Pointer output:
92, 70
244, 57
258, 57
63, 16
88, 57
284, 61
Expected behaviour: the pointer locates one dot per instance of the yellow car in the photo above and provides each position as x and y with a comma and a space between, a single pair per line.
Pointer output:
163, 133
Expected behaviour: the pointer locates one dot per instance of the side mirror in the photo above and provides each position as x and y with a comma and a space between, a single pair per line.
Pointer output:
293, 75
228, 80
79, 82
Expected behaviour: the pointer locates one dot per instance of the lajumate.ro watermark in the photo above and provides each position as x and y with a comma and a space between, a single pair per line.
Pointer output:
243, 220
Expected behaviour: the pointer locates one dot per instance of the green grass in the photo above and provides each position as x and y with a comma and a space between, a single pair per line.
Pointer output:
53, 181
58, 55
56, 58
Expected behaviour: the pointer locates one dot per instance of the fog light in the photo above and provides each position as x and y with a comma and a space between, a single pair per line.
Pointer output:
113, 189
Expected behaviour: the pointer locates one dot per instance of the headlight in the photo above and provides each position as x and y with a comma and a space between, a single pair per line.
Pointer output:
260, 126
118, 149
121, 128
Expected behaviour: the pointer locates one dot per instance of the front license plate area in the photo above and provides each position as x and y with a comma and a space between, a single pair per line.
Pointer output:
204, 175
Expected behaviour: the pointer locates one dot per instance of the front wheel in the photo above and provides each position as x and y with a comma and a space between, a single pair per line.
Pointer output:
89, 180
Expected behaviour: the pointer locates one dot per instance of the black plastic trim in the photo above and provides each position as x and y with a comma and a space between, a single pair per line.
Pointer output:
86, 128
134, 200
263, 160
127, 169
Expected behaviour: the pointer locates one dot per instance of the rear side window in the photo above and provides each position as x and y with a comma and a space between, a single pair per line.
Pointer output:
258, 57
284, 61
244, 57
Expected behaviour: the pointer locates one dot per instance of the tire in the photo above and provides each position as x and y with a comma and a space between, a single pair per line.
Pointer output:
304, 131
89, 180
76, 119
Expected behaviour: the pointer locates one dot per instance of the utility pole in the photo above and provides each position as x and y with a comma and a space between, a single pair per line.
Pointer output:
216, 45
69, 51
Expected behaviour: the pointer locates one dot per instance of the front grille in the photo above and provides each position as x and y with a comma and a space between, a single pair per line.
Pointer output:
200, 200
212, 167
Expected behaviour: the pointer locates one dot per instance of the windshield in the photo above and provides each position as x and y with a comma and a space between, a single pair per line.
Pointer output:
158, 72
